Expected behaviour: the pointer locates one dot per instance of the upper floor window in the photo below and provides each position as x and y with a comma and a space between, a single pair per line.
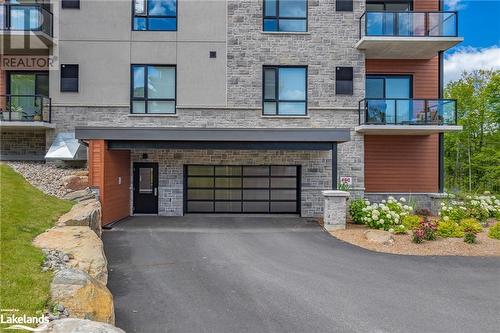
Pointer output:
158, 15
285, 91
285, 15
391, 6
153, 89
69, 78
70, 4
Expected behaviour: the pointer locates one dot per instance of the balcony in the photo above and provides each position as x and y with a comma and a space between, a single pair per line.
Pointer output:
25, 111
407, 35
25, 26
407, 116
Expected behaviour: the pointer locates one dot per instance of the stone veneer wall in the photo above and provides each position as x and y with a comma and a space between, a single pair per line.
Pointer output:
22, 144
350, 154
316, 172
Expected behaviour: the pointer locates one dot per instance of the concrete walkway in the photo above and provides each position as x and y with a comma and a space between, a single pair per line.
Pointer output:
262, 274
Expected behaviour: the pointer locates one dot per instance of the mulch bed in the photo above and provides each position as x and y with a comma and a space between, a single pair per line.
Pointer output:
485, 246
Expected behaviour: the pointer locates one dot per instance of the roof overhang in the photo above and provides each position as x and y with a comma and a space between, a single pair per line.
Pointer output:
215, 138
389, 47
406, 129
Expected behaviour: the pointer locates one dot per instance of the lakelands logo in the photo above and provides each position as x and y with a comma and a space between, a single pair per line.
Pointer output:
18, 322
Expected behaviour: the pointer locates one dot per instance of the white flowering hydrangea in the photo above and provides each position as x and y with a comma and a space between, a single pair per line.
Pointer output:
479, 207
386, 215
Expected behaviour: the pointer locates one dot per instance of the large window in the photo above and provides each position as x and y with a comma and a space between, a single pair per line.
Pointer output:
285, 15
153, 89
285, 91
159, 15
388, 98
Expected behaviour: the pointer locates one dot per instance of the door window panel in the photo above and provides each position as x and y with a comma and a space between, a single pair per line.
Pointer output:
146, 180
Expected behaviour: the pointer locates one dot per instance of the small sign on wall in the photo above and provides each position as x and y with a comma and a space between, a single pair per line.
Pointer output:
346, 181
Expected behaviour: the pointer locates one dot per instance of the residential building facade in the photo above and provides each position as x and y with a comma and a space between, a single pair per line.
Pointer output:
234, 106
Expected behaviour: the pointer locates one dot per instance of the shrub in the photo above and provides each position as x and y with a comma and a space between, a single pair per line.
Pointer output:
470, 237
448, 228
478, 206
356, 210
399, 229
418, 236
494, 231
429, 227
411, 222
423, 212
471, 225
386, 215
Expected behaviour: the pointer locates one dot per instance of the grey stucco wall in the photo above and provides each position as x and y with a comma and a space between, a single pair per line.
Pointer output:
316, 172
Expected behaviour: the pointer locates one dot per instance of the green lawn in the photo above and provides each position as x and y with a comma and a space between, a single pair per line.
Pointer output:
24, 213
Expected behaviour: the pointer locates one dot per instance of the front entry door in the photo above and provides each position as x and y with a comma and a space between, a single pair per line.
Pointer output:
145, 188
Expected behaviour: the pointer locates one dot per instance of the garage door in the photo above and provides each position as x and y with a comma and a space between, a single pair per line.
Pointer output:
242, 189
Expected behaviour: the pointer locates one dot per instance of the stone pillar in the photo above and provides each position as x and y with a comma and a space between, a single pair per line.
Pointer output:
334, 216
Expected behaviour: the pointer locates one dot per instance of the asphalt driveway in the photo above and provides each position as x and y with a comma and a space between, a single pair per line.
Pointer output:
262, 274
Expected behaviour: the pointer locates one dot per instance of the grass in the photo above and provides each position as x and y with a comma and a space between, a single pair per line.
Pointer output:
25, 212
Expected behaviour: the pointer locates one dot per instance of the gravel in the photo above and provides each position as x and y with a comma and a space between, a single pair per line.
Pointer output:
45, 177
54, 260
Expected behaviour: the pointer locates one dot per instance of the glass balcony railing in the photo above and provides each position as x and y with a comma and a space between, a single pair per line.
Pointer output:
25, 108
408, 24
399, 111
25, 17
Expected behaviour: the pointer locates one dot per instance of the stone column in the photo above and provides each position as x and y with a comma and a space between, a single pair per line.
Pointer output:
334, 215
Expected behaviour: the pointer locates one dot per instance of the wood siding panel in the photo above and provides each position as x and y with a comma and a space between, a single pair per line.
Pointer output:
425, 5
396, 163
3, 87
106, 167
424, 72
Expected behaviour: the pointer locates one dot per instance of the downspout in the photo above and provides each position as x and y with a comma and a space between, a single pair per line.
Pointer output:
440, 96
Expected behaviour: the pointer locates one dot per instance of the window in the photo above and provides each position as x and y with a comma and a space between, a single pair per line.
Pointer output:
343, 5
285, 91
153, 89
69, 78
388, 100
156, 15
70, 4
343, 80
285, 15
388, 86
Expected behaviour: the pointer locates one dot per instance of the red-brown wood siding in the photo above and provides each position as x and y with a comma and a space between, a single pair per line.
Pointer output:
106, 167
424, 72
3, 87
398, 163
426, 5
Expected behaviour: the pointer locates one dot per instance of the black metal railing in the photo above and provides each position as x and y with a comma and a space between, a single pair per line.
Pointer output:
408, 24
26, 17
407, 111
25, 108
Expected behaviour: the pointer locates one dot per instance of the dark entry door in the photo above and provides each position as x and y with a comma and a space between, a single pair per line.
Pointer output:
145, 188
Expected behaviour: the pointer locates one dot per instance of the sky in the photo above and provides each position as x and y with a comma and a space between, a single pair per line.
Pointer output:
479, 24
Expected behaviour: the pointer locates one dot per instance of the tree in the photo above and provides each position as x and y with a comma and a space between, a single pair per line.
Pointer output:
478, 111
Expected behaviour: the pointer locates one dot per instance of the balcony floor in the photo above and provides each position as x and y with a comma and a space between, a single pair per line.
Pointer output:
389, 47
406, 129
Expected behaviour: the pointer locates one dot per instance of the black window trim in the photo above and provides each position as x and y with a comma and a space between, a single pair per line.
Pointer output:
276, 91
145, 98
61, 89
278, 18
385, 3
385, 76
147, 16
70, 2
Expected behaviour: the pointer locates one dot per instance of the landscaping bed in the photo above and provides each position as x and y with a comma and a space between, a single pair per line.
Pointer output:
465, 225
485, 246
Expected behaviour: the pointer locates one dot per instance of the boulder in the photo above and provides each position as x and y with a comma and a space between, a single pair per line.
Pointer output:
75, 183
82, 296
85, 213
83, 246
73, 325
379, 236
79, 195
